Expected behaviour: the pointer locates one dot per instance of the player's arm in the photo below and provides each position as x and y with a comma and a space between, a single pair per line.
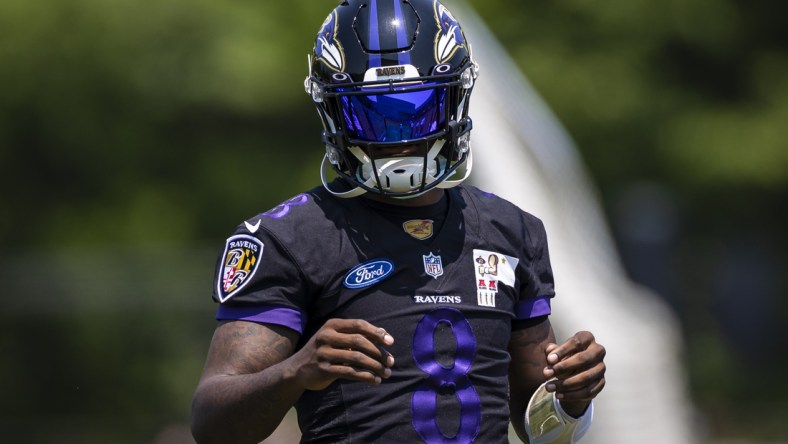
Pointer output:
244, 391
574, 371
253, 374
526, 370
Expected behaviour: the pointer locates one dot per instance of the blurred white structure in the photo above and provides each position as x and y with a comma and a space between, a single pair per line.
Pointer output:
522, 153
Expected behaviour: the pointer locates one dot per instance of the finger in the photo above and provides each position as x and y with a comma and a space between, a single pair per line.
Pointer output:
343, 371
375, 334
573, 355
551, 357
578, 362
362, 361
360, 344
579, 380
580, 341
357, 335
584, 393
571, 366
355, 365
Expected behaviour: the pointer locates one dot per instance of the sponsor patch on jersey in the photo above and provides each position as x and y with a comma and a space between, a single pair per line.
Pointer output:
433, 265
491, 270
241, 258
369, 273
421, 229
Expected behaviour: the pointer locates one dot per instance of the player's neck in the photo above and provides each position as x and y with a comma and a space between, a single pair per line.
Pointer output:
429, 198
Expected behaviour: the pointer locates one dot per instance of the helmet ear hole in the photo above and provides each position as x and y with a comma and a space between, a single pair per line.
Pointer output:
341, 77
443, 68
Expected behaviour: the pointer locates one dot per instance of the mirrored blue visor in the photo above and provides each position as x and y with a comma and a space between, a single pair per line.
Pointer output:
394, 117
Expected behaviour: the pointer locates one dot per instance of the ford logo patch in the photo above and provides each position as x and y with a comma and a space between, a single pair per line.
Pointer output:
368, 273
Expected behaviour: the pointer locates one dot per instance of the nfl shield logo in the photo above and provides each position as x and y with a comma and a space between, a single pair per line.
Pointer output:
433, 265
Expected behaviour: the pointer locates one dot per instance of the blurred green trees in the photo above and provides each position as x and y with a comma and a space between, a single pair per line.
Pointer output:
133, 135
120, 119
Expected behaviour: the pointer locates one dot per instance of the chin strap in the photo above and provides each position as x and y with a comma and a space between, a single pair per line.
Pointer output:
464, 170
357, 191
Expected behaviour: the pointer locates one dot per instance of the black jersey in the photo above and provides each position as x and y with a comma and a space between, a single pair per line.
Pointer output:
445, 281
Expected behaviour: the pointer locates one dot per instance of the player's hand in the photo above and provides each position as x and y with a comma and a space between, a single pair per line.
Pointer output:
579, 371
344, 349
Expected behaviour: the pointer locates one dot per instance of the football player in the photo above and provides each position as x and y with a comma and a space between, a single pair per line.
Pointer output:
393, 304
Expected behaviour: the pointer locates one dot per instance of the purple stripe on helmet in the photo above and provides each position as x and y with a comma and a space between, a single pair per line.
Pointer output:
374, 35
284, 316
374, 27
533, 308
402, 37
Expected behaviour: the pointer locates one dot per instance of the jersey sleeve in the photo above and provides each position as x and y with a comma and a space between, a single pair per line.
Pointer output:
257, 280
538, 287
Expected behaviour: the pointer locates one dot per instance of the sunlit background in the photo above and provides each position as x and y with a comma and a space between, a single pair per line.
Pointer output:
135, 135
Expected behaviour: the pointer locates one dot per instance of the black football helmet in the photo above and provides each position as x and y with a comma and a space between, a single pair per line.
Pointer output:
392, 80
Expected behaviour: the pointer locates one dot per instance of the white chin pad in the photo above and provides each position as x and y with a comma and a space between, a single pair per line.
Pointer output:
400, 174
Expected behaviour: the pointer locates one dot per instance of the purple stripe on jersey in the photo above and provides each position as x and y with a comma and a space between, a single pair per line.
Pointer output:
533, 308
286, 317
402, 37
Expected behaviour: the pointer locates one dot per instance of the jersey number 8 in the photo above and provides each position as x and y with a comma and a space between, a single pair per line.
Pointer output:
424, 403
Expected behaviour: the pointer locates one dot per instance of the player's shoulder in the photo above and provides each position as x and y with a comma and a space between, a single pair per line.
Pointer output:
508, 218
495, 206
297, 219
291, 239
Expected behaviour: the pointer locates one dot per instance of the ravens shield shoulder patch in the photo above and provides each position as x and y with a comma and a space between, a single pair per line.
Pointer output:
240, 260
